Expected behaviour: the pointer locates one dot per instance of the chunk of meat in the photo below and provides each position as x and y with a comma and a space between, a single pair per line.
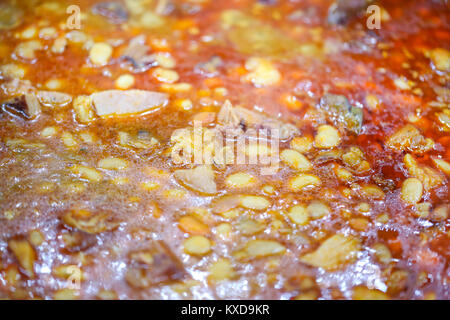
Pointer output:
241, 119
338, 110
200, 179
409, 138
118, 102
210, 67
341, 12
226, 203
137, 54
333, 253
153, 266
26, 106
139, 140
227, 116
89, 222
76, 241
114, 11
54, 98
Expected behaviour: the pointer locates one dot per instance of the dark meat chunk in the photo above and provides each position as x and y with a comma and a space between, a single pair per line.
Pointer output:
210, 67
342, 12
76, 241
114, 11
338, 110
119, 102
26, 106
90, 222
142, 139
137, 54
153, 266
240, 118
54, 98
227, 116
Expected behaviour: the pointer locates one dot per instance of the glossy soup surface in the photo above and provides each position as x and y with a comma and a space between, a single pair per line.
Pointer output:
94, 205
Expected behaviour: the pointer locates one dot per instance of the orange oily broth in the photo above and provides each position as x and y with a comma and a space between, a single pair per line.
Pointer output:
36, 186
